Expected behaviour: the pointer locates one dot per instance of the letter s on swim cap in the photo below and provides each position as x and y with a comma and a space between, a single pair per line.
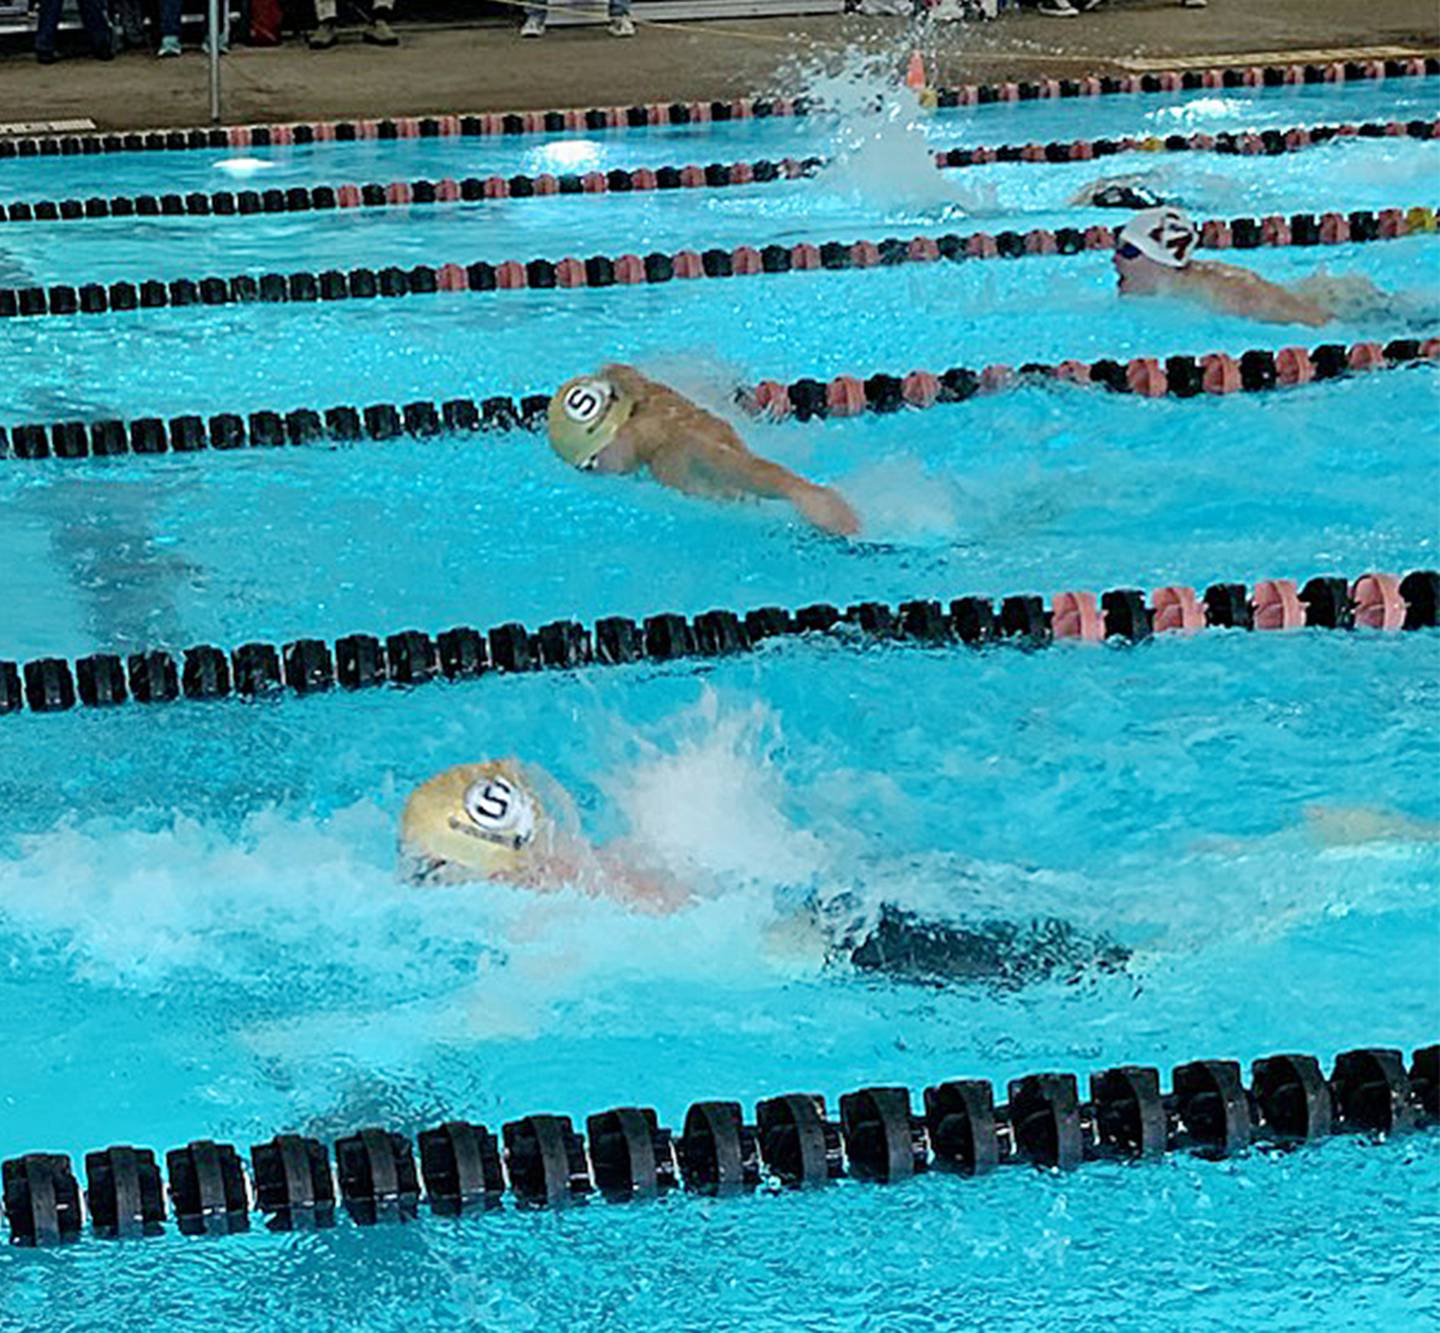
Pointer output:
1164, 235
585, 401
501, 811
585, 414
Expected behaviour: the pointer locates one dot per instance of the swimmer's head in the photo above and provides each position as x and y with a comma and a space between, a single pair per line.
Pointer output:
1131, 194
585, 414
1164, 236
472, 821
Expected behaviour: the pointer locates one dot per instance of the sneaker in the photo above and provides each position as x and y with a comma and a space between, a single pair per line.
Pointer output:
1192, 4
169, 46
1085, 6
1058, 9
380, 33
224, 44
46, 57
622, 26
534, 26
323, 38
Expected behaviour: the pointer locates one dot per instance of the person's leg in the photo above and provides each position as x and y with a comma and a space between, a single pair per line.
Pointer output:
97, 27
169, 28
322, 38
620, 22
47, 24
380, 33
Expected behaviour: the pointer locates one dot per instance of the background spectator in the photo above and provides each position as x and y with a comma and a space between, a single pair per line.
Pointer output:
170, 27
92, 15
620, 22
378, 31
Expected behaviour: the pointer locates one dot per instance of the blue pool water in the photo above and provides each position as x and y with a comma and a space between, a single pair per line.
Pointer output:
202, 929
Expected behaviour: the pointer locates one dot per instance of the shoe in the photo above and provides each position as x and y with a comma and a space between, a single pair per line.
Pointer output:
1058, 9
1192, 4
169, 46
622, 26
224, 44
380, 33
1085, 6
46, 57
534, 26
323, 37
103, 53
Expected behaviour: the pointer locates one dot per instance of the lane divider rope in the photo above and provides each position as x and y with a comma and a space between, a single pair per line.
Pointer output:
690, 176
1215, 373
696, 113
1373, 601
65, 300
793, 1142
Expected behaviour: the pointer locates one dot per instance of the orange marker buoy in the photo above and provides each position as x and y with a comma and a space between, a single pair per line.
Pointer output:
915, 73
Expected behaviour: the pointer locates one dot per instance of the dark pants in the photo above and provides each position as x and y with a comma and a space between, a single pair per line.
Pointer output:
170, 18
92, 14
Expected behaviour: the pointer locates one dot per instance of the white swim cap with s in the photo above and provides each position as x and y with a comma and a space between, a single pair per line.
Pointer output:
1163, 235
473, 819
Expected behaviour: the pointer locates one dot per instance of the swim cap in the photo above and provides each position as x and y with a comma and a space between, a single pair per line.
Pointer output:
1164, 235
585, 414
473, 819
1124, 194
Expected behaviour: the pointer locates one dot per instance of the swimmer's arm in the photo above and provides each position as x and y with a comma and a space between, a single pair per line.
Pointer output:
628, 378
720, 468
615, 872
1238, 291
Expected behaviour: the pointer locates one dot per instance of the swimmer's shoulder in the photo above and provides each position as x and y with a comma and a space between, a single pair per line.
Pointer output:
630, 380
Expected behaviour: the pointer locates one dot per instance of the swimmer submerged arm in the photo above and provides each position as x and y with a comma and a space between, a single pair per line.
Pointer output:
1238, 291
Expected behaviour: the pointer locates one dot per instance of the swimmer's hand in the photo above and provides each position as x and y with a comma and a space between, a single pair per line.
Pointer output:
827, 509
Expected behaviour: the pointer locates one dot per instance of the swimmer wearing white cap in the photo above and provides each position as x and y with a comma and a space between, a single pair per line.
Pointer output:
1154, 256
619, 421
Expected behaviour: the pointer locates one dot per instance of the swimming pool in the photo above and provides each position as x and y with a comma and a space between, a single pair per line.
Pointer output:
204, 930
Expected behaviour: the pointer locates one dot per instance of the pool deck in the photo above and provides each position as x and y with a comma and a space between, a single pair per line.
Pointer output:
487, 68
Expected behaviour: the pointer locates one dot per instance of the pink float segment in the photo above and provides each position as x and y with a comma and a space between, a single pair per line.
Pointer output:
1175, 610
1075, 615
1378, 603
1277, 605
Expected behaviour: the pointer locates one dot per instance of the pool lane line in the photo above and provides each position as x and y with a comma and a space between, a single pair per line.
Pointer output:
688, 176
594, 119
805, 399
626, 1155
1277, 230
407, 658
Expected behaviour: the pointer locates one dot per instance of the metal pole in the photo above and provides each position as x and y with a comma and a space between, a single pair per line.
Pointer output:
213, 17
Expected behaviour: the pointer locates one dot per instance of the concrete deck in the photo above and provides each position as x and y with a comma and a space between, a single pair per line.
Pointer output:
487, 68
